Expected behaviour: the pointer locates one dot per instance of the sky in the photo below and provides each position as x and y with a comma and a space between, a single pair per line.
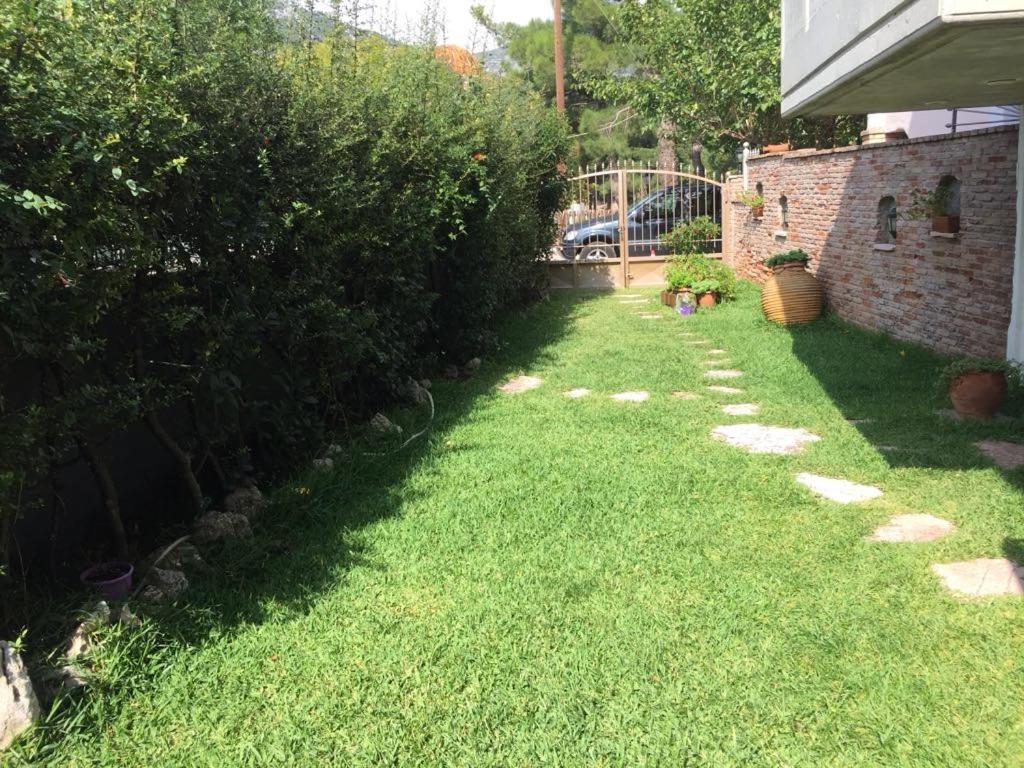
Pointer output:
459, 27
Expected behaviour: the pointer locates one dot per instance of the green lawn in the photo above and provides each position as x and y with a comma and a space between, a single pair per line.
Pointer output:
546, 581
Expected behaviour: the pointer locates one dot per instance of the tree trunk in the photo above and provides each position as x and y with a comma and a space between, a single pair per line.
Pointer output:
110, 496
667, 157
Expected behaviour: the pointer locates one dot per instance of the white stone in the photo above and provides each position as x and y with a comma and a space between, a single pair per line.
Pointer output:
982, 577
910, 528
649, 316
695, 342
724, 390
741, 409
758, 438
841, 491
18, 706
716, 351
520, 384
220, 526
246, 501
725, 373
631, 397
682, 395
579, 392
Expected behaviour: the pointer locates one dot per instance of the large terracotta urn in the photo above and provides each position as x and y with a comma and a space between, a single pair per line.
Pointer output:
792, 295
978, 393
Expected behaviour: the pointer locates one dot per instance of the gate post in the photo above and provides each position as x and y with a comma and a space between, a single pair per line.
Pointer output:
623, 232
726, 220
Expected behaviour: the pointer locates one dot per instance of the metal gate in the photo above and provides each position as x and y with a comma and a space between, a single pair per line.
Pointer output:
615, 233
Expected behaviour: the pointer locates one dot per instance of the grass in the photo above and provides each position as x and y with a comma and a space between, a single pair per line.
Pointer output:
587, 582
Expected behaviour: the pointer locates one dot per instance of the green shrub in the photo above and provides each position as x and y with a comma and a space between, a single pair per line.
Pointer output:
691, 270
274, 234
787, 257
695, 236
1013, 372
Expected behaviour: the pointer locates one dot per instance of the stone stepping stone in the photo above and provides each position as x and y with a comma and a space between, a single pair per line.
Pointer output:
576, 393
861, 421
724, 373
910, 528
982, 577
520, 384
649, 315
696, 342
712, 363
682, 395
721, 388
631, 397
632, 301
1007, 455
758, 438
716, 352
742, 409
841, 491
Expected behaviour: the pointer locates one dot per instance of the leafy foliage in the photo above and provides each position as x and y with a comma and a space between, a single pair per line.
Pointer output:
273, 234
694, 271
787, 257
712, 68
1013, 372
694, 236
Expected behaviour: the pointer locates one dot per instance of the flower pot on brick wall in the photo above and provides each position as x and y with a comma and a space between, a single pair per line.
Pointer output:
792, 295
768, 148
946, 224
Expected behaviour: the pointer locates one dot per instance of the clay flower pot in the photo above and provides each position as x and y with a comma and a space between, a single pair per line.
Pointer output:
757, 211
113, 580
978, 393
708, 299
946, 224
792, 295
769, 148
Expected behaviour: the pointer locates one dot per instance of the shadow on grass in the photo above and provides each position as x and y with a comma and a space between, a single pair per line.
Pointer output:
888, 390
309, 538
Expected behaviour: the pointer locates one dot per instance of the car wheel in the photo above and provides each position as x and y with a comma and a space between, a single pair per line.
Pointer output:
598, 251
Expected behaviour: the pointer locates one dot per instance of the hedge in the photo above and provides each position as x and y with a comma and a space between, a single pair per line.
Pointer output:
191, 206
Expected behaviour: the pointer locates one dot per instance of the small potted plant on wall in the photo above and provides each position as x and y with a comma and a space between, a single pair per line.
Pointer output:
754, 202
791, 294
977, 386
935, 205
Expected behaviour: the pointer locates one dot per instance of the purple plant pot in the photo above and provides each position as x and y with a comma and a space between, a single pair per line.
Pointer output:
113, 580
685, 309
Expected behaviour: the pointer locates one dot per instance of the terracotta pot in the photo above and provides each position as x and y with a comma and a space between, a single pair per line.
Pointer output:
757, 211
792, 295
708, 299
668, 298
978, 393
946, 224
776, 148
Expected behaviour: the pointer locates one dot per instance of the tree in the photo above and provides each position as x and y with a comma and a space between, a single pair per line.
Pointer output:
712, 68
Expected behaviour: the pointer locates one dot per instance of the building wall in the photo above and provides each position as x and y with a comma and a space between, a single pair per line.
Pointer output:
950, 294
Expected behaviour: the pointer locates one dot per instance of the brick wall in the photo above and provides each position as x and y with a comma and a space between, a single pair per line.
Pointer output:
952, 295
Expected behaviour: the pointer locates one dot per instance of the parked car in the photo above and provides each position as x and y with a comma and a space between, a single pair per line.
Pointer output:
647, 221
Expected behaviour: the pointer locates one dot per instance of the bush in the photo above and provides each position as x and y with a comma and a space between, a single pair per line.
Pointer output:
273, 234
692, 270
695, 236
787, 257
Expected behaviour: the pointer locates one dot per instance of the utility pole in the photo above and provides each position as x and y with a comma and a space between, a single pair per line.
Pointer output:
559, 59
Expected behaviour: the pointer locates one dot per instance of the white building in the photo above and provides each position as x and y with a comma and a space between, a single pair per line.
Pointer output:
873, 56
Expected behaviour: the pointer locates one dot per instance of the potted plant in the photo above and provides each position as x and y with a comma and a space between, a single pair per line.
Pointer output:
112, 579
783, 147
707, 292
792, 294
754, 202
935, 206
977, 386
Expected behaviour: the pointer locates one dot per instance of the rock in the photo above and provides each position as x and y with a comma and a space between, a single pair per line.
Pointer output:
222, 526
384, 426
472, 366
417, 392
334, 449
19, 708
164, 584
451, 372
425, 383
245, 501
323, 464
80, 642
126, 617
184, 555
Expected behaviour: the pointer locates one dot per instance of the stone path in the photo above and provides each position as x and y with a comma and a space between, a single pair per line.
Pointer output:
758, 438
912, 528
716, 352
697, 342
520, 384
631, 397
742, 409
649, 315
841, 491
982, 577
724, 373
1007, 455
576, 393
724, 390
